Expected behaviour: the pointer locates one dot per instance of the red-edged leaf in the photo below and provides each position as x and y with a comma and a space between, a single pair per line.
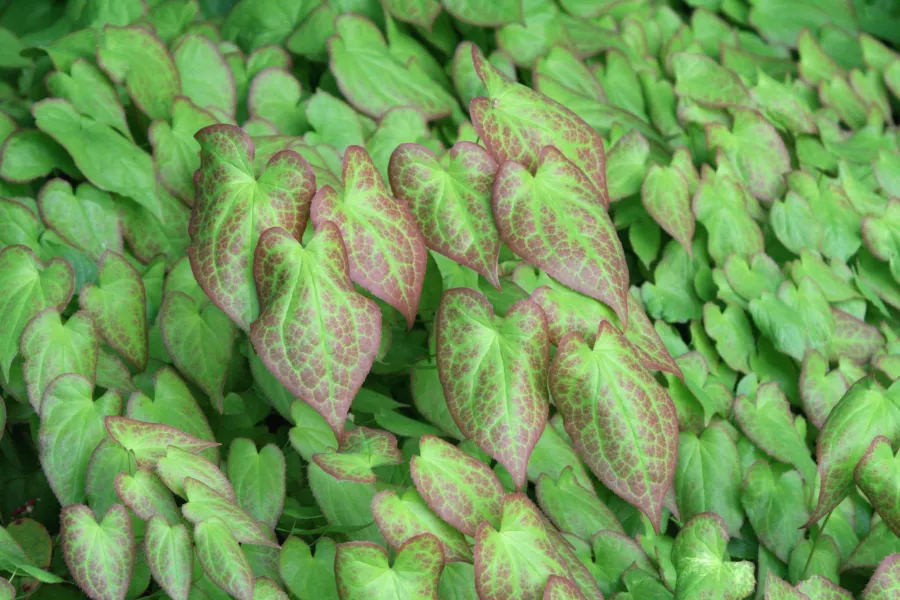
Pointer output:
457, 486
233, 208
666, 195
149, 441
100, 556
516, 123
360, 451
450, 199
363, 572
494, 376
387, 253
167, 549
315, 333
560, 588
619, 417
552, 220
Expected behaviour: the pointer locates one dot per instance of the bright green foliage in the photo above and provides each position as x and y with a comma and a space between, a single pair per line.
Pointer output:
449, 299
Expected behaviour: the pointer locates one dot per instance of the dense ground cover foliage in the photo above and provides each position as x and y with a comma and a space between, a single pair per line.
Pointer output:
450, 299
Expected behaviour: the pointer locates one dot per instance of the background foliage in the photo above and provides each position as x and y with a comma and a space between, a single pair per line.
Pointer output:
449, 299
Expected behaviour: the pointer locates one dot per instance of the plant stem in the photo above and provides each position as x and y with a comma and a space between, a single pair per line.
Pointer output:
814, 544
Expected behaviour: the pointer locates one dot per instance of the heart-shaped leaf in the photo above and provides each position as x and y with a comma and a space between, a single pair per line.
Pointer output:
573, 508
702, 562
449, 198
149, 441
553, 220
204, 504
363, 572
85, 219
175, 151
178, 464
360, 451
315, 333
387, 253
146, 495
258, 479
233, 208
494, 376
205, 75
222, 560
878, 476
613, 408
100, 556
775, 503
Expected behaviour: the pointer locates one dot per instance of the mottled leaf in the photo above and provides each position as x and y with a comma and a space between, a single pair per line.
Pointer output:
148, 441
878, 476
146, 495
363, 572
666, 196
100, 556
178, 464
222, 560
702, 562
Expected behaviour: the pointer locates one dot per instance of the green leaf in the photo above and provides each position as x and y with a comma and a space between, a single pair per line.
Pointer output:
146, 495
878, 476
89, 90
71, 427
108, 160
175, 151
708, 476
148, 441
221, 558
149, 236
106, 462
169, 556
310, 287
29, 154
874, 547
560, 588
135, 57
613, 407
234, 208
722, 205
200, 339
757, 152
449, 198
100, 556
399, 126
117, 304
531, 36
459, 488
172, 404
797, 319
494, 375
205, 76
672, 296
372, 81
703, 565
360, 451
275, 97
363, 572
574, 508
824, 562
27, 286
387, 254
335, 121
178, 464
552, 219
204, 504
51, 348
775, 503
766, 419
666, 196
20, 225
258, 479
485, 14
516, 559
516, 123
614, 553
403, 517
307, 576
881, 233
885, 581
312, 434
418, 12
734, 337
702, 80
864, 413
85, 219
819, 587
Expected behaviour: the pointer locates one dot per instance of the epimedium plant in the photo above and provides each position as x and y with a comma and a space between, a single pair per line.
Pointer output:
449, 299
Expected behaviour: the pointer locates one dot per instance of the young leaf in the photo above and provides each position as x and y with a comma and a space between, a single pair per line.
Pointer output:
574, 508
702, 80
495, 376
516, 559
204, 75
117, 304
403, 517
864, 413
878, 476
233, 208
135, 57
307, 576
222, 560
552, 220
178, 464
315, 333
71, 427
702, 562
370, 78
89, 90
386, 252
258, 479
169, 556
516, 123
458, 487
731, 330
449, 198
363, 572
100, 556
85, 219
27, 287
775, 503
50, 348
620, 419
205, 504
767, 420
148, 441
175, 151
146, 496
666, 196
722, 205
